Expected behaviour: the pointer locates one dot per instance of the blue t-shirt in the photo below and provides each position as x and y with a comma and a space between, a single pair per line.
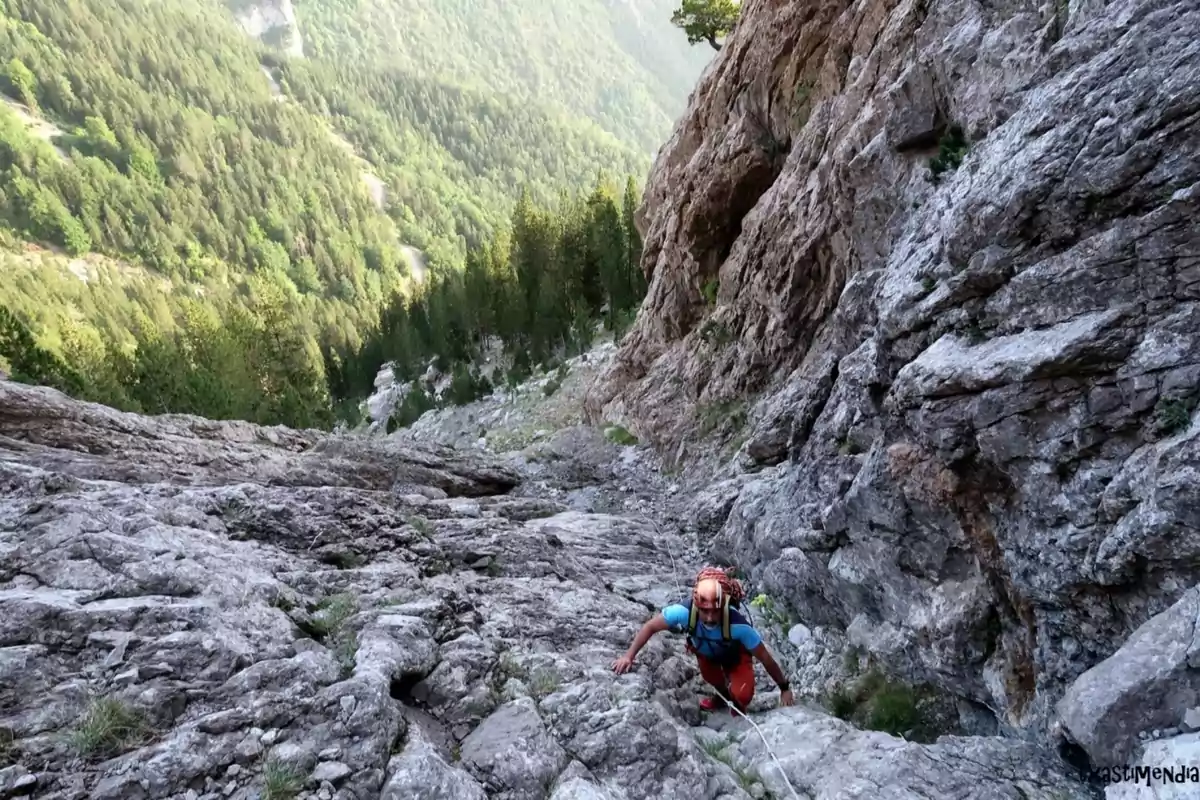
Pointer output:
708, 641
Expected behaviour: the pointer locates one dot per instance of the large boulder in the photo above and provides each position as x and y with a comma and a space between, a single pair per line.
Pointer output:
1151, 683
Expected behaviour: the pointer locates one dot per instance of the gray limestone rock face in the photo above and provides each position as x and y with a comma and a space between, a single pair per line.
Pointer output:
968, 368
188, 611
265, 19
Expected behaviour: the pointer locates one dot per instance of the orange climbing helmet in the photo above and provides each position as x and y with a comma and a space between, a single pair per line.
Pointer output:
715, 589
709, 594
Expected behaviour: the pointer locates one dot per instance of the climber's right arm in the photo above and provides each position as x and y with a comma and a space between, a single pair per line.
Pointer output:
655, 624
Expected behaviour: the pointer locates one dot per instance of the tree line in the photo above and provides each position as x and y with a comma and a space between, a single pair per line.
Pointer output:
241, 269
539, 288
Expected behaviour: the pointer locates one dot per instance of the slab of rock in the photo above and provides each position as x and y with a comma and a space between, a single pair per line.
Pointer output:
420, 772
1149, 683
81, 439
512, 753
241, 622
824, 758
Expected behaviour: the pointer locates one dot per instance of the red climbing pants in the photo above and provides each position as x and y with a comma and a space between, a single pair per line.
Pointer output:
736, 682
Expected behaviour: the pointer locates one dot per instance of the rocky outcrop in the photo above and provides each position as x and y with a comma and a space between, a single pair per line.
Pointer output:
934, 266
194, 609
272, 22
1151, 684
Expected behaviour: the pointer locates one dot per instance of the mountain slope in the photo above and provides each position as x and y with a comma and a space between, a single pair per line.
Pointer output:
622, 65
935, 266
282, 202
182, 597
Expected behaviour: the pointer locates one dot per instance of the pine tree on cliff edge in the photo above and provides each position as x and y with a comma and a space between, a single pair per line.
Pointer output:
705, 20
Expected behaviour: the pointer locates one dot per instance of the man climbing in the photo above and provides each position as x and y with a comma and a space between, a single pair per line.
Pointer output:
722, 639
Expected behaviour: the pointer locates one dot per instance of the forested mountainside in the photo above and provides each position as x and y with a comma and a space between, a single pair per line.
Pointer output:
617, 62
200, 220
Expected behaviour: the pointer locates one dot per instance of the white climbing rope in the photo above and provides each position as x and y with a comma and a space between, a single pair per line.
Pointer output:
674, 566
770, 752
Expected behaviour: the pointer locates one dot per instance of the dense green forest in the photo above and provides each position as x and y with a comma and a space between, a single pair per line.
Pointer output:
207, 242
619, 63
539, 289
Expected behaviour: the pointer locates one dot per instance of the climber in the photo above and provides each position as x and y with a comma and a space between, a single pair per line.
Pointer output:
721, 638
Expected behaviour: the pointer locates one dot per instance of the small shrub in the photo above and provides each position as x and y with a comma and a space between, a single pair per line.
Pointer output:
509, 667
1173, 416
551, 387
842, 704
770, 613
466, 386
281, 781
712, 416
544, 683
415, 403
619, 435
421, 526
952, 147
345, 651
714, 747
520, 370
878, 703
709, 290
894, 710
108, 728
283, 602
331, 614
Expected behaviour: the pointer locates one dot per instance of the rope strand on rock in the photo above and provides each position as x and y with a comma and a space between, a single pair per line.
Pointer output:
674, 567
770, 752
